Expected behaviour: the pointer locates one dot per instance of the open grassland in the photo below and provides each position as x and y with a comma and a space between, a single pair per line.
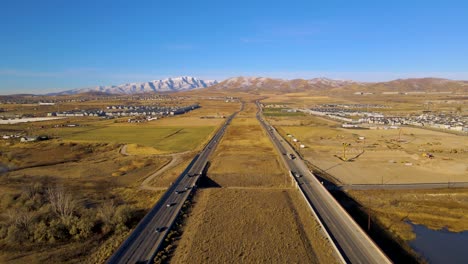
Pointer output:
436, 209
381, 156
251, 226
99, 185
69, 161
245, 155
167, 139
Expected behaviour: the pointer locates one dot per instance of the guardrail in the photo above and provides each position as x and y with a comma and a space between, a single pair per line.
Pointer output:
301, 191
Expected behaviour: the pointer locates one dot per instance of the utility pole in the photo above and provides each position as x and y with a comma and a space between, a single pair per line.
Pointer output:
345, 145
368, 215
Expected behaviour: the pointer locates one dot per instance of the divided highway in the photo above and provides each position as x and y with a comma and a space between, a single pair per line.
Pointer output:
352, 242
144, 242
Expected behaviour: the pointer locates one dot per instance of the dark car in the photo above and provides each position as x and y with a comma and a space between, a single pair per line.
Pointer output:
160, 229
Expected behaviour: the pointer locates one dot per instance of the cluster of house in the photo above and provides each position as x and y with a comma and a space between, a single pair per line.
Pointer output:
23, 138
275, 106
353, 106
11, 136
344, 115
123, 111
355, 119
441, 121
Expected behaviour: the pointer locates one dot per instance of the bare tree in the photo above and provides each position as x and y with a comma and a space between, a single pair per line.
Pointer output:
63, 204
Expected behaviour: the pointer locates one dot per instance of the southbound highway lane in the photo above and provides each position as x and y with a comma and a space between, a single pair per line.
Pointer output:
143, 243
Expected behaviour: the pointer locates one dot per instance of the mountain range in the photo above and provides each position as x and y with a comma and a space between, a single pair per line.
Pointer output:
325, 85
182, 83
262, 84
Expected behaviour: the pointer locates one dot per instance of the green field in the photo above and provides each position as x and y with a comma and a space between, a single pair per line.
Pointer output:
279, 112
170, 139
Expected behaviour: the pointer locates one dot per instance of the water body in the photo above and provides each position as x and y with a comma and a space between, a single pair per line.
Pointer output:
440, 246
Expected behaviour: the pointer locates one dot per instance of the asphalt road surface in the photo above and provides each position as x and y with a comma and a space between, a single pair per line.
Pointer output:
353, 243
144, 242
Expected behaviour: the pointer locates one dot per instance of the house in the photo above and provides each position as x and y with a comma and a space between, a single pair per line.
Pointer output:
28, 139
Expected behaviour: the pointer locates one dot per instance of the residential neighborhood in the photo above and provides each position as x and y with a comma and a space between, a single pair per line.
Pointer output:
364, 119
125, 110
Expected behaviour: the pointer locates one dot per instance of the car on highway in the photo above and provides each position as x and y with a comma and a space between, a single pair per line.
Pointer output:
179, 192
292, 156
160, 229
187, 188
170, 204
297, 175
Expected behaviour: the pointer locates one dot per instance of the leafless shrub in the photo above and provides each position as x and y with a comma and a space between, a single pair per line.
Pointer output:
62, 202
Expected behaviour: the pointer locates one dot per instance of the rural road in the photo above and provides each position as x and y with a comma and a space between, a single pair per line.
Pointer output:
352, 242
176, 159
402, 186
146, 239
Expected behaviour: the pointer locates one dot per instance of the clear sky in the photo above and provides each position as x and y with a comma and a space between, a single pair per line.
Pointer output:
55, 45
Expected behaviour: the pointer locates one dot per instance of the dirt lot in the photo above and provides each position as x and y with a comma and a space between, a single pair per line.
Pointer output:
381, 156
251, 226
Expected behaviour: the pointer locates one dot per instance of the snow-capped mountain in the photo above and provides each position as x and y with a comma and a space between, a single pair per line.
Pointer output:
166, 85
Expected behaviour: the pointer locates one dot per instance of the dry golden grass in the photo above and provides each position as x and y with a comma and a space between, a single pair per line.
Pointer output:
435, 209
245, 155
251, 226
102, 163
166, 178
135, 149
97, 172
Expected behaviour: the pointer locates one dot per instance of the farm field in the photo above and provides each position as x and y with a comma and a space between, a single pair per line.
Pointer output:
397, 155
251, 226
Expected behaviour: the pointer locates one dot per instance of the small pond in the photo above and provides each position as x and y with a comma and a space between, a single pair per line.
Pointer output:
440, 246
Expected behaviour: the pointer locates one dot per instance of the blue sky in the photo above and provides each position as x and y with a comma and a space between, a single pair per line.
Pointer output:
55, 45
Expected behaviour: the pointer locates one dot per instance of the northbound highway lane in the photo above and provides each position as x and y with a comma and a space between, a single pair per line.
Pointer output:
354, 244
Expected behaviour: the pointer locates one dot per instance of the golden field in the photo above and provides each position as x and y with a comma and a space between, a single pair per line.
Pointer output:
251, 226
246, 157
